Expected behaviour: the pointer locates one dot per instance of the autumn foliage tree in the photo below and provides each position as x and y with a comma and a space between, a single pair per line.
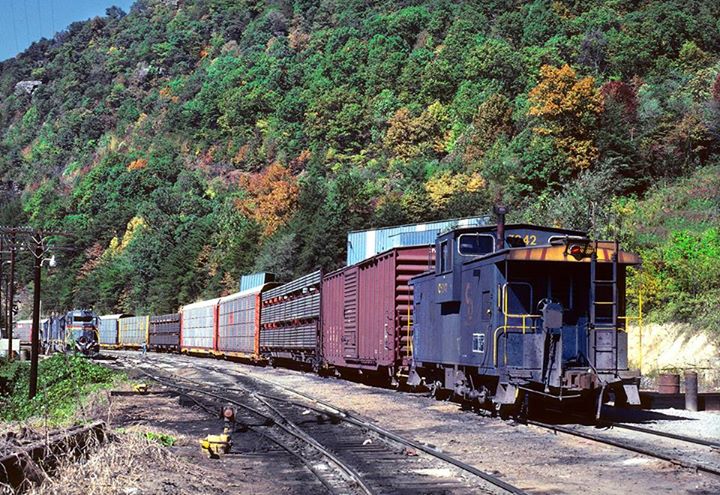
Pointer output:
408, 136
272, 197
492, 120
623, 95
442, 187
339, 116
567, 108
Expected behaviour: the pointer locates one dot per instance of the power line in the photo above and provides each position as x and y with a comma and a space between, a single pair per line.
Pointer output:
12, 14
40, 26
27, 23
52, 16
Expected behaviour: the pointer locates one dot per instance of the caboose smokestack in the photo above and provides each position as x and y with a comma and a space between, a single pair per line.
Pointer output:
500, 212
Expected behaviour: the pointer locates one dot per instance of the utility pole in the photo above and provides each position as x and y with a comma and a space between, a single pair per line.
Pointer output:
7, 241
11, 295
35, 333
35, 240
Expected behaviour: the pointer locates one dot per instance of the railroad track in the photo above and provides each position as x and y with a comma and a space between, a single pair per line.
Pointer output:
590, 435
643, 446
337, 476
669, 454
355, 455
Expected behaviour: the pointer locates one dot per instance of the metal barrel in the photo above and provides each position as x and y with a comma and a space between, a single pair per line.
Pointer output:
691, 390
669, 383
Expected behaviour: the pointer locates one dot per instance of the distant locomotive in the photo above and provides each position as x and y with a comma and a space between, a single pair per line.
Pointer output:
81, 332
514, 314
499, 316
76, 331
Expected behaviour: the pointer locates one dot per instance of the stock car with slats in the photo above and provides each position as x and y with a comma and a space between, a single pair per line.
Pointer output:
164, 333
290, 322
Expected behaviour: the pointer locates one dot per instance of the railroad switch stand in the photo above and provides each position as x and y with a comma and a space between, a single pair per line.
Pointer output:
215, 446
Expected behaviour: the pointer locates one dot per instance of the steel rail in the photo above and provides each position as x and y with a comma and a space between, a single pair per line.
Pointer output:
626, 446
683, 438
674, 436
289, 428
359, 421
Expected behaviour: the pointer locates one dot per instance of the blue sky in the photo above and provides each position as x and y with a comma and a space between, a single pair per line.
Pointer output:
25, 21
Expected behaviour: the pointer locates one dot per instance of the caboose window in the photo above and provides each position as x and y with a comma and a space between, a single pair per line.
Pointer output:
444, 257
475, 244
518, 298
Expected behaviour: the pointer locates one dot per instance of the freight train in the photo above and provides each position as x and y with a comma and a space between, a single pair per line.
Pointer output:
74, 332
499, 316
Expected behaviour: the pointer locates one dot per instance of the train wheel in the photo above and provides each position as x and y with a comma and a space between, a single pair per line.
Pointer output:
524, 410
506, 411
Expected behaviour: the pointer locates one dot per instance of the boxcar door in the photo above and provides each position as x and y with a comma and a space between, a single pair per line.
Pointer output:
350, 314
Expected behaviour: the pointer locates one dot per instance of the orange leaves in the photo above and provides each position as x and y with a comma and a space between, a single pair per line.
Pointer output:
560, 94
93, 257
138, 164
568, 108
272, 196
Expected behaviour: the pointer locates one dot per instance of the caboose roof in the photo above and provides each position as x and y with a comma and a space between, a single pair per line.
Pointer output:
517, 226
557, 252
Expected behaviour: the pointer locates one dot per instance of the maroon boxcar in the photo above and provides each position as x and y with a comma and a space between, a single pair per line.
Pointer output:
367, 311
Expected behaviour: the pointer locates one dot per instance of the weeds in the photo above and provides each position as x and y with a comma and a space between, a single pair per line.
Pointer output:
63, 384
162, 438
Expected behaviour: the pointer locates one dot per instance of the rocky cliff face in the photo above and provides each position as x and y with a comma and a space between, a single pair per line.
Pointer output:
674, 348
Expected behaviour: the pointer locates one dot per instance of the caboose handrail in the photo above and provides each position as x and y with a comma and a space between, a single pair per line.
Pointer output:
505, 328
506, 317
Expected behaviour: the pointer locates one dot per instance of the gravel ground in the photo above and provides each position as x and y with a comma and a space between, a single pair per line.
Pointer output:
533, 459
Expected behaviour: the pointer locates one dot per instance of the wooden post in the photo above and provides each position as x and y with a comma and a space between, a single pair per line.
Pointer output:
11, 295
35, 332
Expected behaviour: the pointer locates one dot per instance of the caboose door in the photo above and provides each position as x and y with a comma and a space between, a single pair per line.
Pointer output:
350, 314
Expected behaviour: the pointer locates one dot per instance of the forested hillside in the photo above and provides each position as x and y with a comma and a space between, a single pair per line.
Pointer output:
188, 142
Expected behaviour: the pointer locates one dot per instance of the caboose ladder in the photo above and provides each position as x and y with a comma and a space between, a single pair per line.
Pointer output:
603, 327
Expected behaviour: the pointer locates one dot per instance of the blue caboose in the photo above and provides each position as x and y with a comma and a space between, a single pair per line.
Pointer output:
520, 311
